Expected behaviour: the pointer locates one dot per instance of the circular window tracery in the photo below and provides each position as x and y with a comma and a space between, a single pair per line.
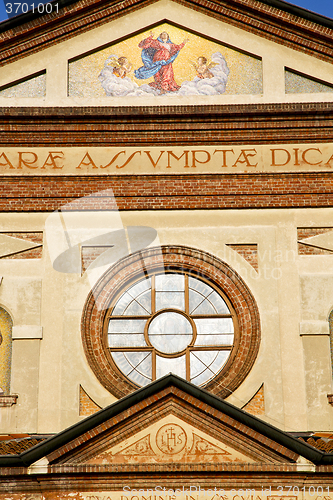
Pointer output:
130, 316
170, 322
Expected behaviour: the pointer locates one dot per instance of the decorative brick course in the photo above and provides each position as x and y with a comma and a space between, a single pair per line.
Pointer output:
261, 19
203, 264
65, 481
194, 412
167, 125
6, 401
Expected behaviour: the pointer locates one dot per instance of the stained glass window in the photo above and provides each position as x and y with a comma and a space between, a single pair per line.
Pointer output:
171, 322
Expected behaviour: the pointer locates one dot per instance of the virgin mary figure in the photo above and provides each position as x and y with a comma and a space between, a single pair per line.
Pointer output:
157, 57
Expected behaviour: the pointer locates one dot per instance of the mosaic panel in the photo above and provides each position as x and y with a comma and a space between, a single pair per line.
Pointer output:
34, 87
298, 84
167, 61
5, 351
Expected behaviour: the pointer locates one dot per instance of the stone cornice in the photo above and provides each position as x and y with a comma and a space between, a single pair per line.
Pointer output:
167, 125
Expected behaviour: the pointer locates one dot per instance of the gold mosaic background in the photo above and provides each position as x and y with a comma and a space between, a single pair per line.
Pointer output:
245, 75
34, 87
298, 84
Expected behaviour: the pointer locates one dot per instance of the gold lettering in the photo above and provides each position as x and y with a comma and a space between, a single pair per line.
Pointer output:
26, 162
87, 163
195, 159
113, 159
224, 155
151, 159
129, 159
327, 163
306, 151
297, 163
6, 160
53, 155
274, 164
244, 154
170, 153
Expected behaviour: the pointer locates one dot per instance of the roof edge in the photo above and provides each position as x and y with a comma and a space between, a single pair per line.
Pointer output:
311, 16
300, 11
28, 457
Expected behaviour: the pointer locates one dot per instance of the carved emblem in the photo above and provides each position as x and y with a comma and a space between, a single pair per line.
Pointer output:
171, 439
141, 447
203, 447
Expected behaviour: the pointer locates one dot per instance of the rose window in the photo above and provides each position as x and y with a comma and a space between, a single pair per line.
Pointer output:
170, 322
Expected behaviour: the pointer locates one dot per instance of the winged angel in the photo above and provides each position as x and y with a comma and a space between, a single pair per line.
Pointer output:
202, 68
114, 79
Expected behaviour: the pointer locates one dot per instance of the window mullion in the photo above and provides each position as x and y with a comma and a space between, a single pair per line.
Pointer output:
186, 295
153, 295
153, 365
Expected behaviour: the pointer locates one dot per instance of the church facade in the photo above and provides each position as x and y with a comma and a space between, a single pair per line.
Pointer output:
166, 249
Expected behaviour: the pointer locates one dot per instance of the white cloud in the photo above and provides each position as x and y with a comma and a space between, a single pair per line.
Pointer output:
116, 86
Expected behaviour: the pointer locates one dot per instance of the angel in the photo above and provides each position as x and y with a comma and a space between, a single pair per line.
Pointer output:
121, 66
203, 69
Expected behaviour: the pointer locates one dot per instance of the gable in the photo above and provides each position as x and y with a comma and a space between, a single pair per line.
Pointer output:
171, 427
170, 438
241, 66
167, 421
202, 67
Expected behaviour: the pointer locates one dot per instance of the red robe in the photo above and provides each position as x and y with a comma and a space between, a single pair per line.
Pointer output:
164, 78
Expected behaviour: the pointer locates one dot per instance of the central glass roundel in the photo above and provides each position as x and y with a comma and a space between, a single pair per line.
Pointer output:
170, 332
170, 322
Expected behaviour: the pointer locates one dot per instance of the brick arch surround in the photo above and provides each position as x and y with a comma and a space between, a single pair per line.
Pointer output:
180, 258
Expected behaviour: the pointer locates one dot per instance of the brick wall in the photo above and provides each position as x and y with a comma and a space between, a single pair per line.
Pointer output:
176, 192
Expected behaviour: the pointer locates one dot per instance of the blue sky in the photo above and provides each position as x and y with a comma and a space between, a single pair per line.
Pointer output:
323, 7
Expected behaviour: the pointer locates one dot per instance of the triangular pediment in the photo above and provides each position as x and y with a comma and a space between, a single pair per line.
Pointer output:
135, 67
170, 439
120, 59
171, 420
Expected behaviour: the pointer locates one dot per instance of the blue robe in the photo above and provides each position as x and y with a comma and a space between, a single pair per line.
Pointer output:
151, 67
